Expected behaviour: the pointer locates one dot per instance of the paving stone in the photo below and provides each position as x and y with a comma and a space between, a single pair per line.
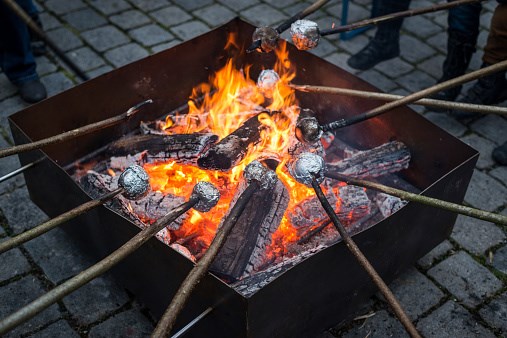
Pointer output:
439, 251
447, 123
485, 192
354, 45
99, 71
415, 81
438, 42
149, 5
282, 3
66, 40
394, 68
130, 19
131, 323
500, 173
85, 19
414, 50
215, 14
164, 46
110, 6
263, 15
45, 66
56, 83
58, 329
104, 38
325, 48
6, 87
476, 235
190, 30
170, 16
492, 127
95, 300
10, 106
466, 279
495, 313
20, 212
500, 259
416, 293
355, 13
378, 80
451, 321
19, 293
382, 324
49, 21
190, 5
64, 6
85, 58
12, 263
56, 246
150, 35
239, 5
432, 66
484, 147
126, 54
421, 26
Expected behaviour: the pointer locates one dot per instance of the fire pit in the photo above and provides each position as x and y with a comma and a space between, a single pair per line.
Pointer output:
308, 297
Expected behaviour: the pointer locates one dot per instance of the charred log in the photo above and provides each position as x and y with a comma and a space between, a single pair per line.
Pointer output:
245, 246
178, 146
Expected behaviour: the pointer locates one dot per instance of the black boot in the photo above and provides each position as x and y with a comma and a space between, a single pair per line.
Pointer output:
38, 45
500, 154
377, 50
490, 89
32, 91
460, 48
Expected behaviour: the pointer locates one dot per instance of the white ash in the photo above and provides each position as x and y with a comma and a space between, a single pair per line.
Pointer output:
306, 167
256, 171
135, 182
183, 251
207, 195
268, 37
267, 81
305, 34
389, 204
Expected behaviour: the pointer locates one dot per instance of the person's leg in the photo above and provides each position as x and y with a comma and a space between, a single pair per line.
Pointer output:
16, 58
385, 45
462, 37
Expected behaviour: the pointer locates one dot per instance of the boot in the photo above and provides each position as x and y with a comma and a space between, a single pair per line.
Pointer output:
490, 89
500, 154
460, 48
32, 91
377, 50
39, 47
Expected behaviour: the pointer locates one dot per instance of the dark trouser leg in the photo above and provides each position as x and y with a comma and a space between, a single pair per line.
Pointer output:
385, 45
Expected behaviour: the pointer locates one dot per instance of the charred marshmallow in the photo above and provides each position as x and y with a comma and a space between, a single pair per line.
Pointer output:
135, 182
206, 194
305, 34
268, 37
306, 167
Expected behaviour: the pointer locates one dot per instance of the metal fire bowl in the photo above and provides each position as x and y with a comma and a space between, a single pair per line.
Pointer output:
321, 291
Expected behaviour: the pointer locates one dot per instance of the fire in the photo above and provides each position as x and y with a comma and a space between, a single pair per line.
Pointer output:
229, 99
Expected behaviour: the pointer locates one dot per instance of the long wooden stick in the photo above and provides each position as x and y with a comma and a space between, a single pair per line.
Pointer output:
397, 15
361, 258
73, 133
497, 67
434, 202
54, 222
166, 323
92, 272
451, 105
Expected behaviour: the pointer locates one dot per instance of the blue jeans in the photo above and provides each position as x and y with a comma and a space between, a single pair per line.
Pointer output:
465, 19
16, 58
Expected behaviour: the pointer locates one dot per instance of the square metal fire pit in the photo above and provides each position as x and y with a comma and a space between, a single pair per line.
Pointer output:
310, 297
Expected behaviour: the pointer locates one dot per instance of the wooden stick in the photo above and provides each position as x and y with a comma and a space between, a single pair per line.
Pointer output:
286, 24
166, 323
92, 272
354, 249
497, 67
434, 202
73, 133
478, 108
53, 223
397, 15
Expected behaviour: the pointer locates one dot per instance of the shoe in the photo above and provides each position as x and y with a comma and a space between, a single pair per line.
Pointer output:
490, 89
500, 154
32, 91
376, 51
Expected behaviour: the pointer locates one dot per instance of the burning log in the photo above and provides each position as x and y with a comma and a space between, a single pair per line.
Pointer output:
183, 147
311, 167
388, 204
203, 198
245, 247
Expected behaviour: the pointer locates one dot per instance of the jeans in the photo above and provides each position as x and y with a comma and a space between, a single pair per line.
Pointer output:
16, 58
465, 19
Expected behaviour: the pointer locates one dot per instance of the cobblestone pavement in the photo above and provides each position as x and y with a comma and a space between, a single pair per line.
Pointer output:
458, 289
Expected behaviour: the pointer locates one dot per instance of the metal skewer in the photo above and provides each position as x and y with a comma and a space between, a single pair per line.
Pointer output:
202, 199
451, 105
73, 133
258, 177
309, 170
20, 170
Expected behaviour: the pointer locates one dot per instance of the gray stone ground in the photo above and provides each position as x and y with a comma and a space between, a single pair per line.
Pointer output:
458, 289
